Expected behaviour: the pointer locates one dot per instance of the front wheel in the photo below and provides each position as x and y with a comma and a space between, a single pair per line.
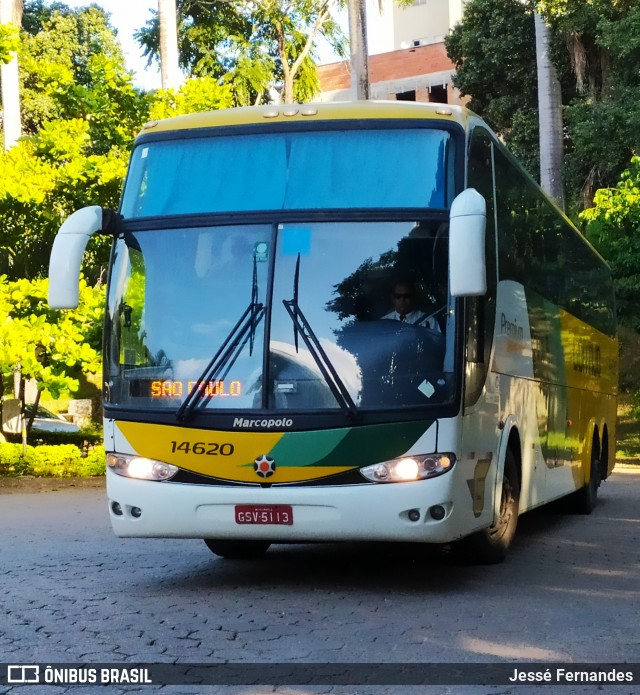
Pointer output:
237, 550
491, 545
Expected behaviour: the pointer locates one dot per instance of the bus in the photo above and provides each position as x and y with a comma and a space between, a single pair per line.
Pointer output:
258, 388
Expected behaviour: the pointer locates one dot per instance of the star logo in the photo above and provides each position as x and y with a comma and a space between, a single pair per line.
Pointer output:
264, 466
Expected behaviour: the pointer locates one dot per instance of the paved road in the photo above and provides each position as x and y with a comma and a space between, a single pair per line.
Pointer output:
70, 591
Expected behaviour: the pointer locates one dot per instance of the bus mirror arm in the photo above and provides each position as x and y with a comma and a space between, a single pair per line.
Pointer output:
467, 261
68, 249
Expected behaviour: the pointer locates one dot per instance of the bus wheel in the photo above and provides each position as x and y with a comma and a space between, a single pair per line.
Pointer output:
237, 550
586, 498
490, 546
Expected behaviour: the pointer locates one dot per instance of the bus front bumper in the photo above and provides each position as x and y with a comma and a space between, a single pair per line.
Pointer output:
420, 511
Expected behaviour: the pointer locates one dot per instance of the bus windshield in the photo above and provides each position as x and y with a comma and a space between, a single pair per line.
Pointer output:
258, 317
298, 170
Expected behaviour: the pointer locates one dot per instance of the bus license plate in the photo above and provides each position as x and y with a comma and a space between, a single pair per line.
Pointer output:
281, 514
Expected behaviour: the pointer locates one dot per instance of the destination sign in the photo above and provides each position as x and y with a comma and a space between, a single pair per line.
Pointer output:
209, 389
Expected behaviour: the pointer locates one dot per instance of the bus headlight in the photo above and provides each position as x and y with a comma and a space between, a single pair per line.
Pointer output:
140, 467
407, 468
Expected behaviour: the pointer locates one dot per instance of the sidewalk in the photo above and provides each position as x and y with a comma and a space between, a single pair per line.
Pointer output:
29, 483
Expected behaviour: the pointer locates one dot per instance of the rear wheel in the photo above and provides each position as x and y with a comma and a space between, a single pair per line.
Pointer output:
491, 545
237, 550
586, 498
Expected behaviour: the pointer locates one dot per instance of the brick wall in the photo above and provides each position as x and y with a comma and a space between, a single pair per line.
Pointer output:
384, 67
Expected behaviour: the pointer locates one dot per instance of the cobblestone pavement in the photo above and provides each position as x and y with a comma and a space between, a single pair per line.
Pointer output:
71, 592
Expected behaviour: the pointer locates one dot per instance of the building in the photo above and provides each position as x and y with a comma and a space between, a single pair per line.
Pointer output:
407, 56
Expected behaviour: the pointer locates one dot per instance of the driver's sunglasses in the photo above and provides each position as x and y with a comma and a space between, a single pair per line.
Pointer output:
398, 295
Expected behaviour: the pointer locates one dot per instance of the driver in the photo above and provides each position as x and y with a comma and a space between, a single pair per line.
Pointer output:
403, 298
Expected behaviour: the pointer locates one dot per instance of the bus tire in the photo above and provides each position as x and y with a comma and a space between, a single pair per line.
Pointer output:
237, 550
586, 498
491, 545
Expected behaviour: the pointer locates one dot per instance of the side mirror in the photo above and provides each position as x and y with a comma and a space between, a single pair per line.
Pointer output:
67, 251
467, 262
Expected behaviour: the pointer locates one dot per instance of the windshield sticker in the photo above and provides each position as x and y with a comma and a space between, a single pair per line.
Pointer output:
296, 240
426, 388
261, 251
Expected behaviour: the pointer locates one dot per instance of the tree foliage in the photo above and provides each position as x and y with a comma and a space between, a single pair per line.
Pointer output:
50, 346
596, 50
43, 179
494, 53
9, 42
72, 67
252, 44
80, 115
602, 42
195, 95
613, 225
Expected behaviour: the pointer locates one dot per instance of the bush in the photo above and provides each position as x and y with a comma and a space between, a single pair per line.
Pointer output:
63, 461
11, 461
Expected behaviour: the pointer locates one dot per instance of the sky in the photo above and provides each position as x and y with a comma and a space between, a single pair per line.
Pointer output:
127, 16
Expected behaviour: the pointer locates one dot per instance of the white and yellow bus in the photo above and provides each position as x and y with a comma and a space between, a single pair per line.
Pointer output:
258, 388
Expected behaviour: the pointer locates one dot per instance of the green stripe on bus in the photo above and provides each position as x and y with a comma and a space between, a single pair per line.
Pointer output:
354, 447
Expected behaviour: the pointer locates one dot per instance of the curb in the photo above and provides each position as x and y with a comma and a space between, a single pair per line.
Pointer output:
30, 483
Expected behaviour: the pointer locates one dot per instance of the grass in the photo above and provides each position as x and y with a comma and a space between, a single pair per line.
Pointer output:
627, 434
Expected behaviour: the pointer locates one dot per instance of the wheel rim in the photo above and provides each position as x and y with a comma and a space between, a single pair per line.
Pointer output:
506, 512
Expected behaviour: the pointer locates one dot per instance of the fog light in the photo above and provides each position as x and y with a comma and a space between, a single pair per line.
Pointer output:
116, 508
437, 512
414, 515
136, 512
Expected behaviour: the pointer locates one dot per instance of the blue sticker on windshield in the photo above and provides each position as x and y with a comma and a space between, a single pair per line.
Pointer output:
296, 240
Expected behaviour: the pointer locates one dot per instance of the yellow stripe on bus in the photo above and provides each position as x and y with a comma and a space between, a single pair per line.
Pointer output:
226, 455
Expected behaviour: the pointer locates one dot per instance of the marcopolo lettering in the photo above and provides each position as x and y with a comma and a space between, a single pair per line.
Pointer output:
264, 423
587, 358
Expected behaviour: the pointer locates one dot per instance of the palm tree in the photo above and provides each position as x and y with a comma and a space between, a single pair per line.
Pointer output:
358, 48
11, 12
169, 63
550, 115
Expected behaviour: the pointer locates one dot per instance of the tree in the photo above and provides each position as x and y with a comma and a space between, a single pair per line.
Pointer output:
252, 44
73, 67
196, 95
43, 179
81, 114
358, 48
50, 346
596, 51
9, 42
613, 226
493, 49
603, 40
549, 115
10, 14
168, 33
54, 348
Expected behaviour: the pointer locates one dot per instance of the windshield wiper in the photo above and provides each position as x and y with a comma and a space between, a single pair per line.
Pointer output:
220, 365
302, 327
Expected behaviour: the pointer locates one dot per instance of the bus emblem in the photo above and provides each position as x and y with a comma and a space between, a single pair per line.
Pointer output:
264, 466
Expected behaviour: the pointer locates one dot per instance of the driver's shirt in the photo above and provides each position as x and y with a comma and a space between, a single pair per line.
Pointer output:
414, 317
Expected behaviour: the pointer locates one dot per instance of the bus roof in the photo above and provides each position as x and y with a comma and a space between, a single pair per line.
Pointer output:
335, 111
